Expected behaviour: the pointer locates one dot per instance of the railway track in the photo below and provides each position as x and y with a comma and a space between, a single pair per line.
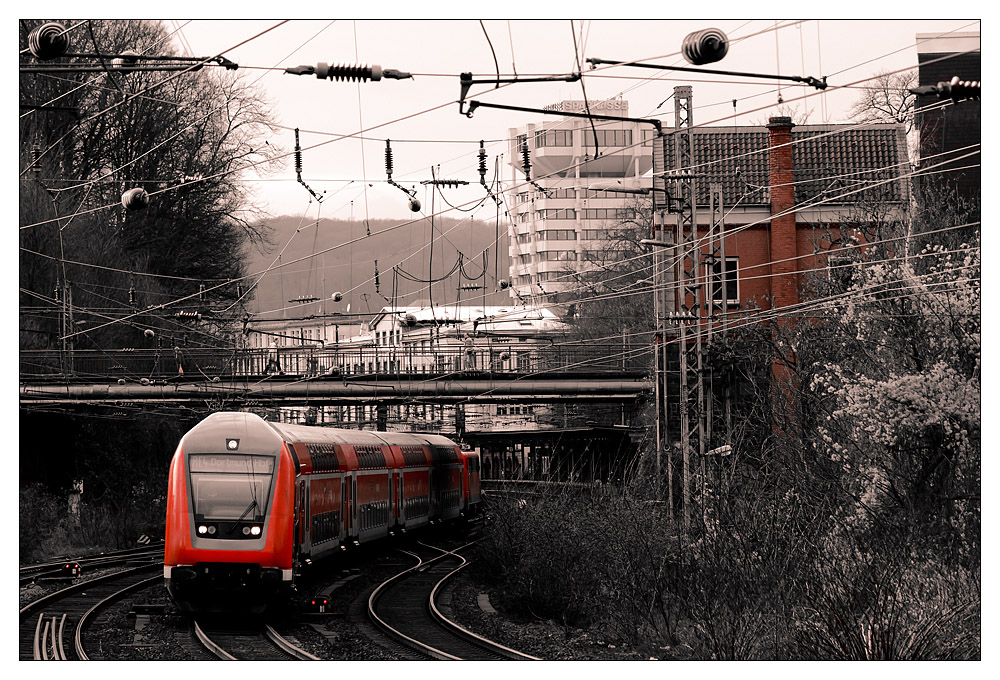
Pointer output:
53, 627
34, 572
233, 641
404, 608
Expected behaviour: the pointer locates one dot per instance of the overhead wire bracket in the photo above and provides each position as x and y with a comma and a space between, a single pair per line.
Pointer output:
467, 81
475, 104
818, 83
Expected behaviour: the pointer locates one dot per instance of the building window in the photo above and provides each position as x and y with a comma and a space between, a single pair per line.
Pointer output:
559, 277
557, 256
553, 138
557, 214
557, 235
608, 213
560, 193
727, 283
648, 136
607, 193
594, 234
524, 238
607, 138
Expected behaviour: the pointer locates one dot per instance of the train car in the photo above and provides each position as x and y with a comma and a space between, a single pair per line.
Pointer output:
249, 502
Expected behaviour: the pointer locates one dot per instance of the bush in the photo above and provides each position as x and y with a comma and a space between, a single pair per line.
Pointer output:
42, 518
774, 576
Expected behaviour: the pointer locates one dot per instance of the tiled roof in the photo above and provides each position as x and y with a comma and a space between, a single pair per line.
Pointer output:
828, 160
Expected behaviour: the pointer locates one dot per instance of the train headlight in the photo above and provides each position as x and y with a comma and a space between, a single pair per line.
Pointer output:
255, 531
246, 531
211, 530
202, 530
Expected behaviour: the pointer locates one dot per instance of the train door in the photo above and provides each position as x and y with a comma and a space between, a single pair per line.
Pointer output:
400, 516
354, 503
300, 522
306, 516
345, 506
432, 492
391, 507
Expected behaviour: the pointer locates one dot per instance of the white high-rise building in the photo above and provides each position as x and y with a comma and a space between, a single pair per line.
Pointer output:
561, 218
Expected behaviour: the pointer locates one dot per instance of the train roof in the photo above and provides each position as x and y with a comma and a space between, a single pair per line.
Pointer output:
213, 434
337, 435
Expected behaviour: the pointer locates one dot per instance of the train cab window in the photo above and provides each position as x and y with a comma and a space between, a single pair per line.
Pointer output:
228, 487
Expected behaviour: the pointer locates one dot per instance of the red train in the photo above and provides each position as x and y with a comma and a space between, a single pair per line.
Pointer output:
250, 502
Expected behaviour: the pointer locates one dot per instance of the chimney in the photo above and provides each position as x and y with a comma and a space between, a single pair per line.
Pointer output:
784, 282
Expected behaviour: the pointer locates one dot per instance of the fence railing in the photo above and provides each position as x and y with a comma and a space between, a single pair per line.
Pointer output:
308, 361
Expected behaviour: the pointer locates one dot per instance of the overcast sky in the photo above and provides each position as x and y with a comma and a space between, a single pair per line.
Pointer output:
421, 115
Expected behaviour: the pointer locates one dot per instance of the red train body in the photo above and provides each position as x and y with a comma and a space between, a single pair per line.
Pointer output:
249, 502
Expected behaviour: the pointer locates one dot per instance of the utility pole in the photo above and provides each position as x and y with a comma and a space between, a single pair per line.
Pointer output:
689, 293
716, 299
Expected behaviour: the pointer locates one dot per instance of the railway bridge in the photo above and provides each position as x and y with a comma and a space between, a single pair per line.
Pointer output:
590, 373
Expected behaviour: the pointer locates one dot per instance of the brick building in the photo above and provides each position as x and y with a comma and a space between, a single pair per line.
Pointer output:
789, 193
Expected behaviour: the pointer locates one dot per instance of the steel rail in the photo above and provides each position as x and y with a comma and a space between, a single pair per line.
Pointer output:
45, 600
286, 646
61, 650
458, 630
425, 648
78, 634
131, 552
36, 646
211, 645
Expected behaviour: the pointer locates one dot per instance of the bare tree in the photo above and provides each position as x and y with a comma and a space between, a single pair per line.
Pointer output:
887, 99
186, 138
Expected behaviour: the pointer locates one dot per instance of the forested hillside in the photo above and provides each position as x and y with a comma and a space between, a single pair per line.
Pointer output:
346, 263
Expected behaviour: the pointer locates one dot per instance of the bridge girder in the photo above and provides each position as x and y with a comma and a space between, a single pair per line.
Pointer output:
314, 392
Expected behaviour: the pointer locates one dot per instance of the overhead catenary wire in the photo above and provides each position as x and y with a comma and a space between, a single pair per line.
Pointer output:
943, 104
442, 105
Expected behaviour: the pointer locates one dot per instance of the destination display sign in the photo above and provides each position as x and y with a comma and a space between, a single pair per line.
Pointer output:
241, 464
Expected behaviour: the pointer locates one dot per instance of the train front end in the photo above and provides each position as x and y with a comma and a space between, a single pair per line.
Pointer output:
229, 516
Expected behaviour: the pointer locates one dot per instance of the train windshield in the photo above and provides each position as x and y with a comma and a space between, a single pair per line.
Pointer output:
230, 487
